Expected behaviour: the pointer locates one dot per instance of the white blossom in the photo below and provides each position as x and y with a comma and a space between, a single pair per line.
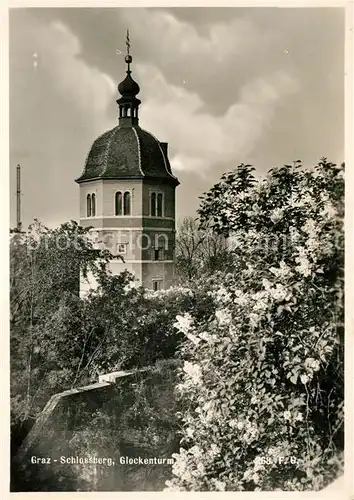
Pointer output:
313, 243
276, 214
193, 370
183, 323
254, 319
312, 364
310, 227
304, 266
196, 451
255, 478
247, 474
222, 295
283, 271
207, 337
219, 485
241, 298
201, 468
215, 450
189, 432
279, 293
260, 301
233, 423
223, 317
273, 451
130, 286
328, 211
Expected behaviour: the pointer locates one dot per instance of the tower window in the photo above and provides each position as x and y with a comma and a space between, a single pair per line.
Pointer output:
127, 208
118, 203
153, 204
93, 205
88, 205
156, 204
158, 253
159, 205
121, 248
122, 203
157, 284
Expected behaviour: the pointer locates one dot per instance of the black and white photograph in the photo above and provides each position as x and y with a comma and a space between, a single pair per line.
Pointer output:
176, 248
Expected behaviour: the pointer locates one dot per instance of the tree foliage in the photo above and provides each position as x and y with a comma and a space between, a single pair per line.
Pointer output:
45, 266
60, 340
199, 251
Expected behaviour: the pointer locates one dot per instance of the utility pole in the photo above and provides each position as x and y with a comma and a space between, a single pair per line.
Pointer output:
18, 199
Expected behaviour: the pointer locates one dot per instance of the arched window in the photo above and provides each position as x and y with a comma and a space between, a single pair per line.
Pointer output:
126, 202
159, 205
88, 205
93, 205
153, 204
119, 203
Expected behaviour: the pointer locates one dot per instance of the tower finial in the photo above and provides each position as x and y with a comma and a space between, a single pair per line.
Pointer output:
128, 57
127, 42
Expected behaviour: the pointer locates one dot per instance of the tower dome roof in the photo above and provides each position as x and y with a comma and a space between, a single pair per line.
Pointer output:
127, 153
128, 87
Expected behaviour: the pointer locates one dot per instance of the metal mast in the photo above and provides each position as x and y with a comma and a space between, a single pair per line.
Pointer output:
18, 199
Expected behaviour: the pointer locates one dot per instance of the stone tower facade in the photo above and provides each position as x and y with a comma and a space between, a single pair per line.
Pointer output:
127, 193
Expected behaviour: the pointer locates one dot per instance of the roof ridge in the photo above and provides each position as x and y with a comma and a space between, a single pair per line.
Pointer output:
107, 150
163, 156
139, 150
89, 151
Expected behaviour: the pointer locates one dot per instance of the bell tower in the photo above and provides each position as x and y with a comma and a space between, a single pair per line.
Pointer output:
127, 193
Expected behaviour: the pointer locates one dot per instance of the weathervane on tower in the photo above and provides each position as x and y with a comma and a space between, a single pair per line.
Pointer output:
128, 43
128, 57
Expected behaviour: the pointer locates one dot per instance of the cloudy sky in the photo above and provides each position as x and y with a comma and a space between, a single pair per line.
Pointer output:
221, 85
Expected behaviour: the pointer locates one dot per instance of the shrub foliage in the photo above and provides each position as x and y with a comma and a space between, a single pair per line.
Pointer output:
60, 340
262, 381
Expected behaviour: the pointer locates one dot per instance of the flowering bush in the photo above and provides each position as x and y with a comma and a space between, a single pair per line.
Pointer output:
262, 381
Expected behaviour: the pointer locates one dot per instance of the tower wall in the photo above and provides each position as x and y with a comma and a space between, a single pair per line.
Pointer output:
147, 240
158, 271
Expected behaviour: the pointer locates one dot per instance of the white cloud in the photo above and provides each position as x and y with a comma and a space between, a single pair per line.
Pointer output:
90, 89
202, 140
57, 110
172, 41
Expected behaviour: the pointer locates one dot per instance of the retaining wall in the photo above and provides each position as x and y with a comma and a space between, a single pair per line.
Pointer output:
123, 420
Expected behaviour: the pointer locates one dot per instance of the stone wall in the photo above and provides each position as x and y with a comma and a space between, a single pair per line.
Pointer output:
127, 421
